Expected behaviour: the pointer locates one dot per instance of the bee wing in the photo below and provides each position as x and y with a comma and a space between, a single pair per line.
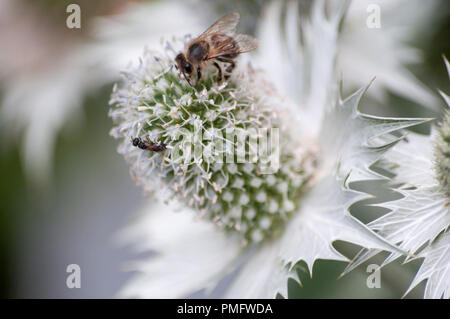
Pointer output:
246, 42
239, 44
226, 25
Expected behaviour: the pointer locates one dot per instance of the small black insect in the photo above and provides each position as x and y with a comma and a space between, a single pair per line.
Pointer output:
154, 147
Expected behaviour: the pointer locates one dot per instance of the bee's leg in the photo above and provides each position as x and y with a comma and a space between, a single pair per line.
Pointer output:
230, 67
187, 79
219, 72
199, 76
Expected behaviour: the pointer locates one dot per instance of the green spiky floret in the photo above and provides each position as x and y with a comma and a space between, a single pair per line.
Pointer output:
154, 103
442, 154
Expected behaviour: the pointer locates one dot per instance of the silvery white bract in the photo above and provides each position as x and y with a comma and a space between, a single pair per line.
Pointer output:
192, 254
419, 221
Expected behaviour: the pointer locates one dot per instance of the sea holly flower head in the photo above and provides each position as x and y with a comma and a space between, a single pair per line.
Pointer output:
230, 153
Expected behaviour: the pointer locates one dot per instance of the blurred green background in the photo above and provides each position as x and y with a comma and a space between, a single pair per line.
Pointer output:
74, 218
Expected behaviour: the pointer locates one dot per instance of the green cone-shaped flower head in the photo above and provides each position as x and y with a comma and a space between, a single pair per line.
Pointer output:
228, 149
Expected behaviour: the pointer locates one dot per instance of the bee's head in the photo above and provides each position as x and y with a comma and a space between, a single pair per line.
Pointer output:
184, 66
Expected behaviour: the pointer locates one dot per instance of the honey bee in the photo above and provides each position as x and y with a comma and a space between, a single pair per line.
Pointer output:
155, 147
217, 43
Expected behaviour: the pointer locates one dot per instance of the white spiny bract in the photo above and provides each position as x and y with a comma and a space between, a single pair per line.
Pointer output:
201, 166
419, 222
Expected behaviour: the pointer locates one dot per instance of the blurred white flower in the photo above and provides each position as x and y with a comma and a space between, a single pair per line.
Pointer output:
299, 57
37, 104
386, 52
189, 252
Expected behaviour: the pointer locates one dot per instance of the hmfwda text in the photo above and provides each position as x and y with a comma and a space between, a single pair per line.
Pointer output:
238, 308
